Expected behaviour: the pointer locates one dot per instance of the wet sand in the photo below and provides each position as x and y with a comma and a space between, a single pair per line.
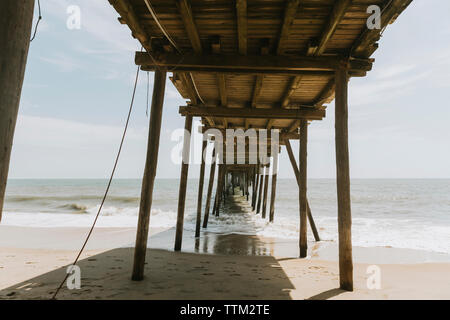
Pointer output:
214, 267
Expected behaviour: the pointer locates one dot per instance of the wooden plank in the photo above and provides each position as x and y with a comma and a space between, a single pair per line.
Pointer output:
303, 241
16, 19
189, 24
183, 183
148, 180
238, 63
339, 9
212, 171
289, 16
343, 182
302, 113
241, 11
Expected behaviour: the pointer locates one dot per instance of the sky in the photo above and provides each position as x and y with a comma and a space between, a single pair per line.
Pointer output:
78, 86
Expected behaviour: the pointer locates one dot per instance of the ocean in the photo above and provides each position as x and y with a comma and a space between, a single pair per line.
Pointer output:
405, 213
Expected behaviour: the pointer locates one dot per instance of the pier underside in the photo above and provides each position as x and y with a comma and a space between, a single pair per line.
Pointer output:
262, 65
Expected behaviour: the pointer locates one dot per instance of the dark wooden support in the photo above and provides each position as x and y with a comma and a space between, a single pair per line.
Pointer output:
337, 14
297, 176
15, 28
241, 9
292, 87
188, 19
212, 172
289, 15
220, 184
303, 187
274, 188
343, 182
149, 174
255, 189
247, 184
266, 188
253, 64
200, 190
183, 182
261, 184
254, 113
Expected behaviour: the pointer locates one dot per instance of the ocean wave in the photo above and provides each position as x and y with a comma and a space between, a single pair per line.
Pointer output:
41, 198
76, 208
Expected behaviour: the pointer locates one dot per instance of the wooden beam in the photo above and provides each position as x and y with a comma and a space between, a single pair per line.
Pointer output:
183, 183
294, 126
125, 9
366, 43
148, 180
16, 19
303, 241
326, 95
302, 113
222, 89
212, 171
189, 87
338, 12
297, 177
241, 11
241, 64
343, 182
270, 124
293, 85
289, 15
200, 190
257, 89
189, 24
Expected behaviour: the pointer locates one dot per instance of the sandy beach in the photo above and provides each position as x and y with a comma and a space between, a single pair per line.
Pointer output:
34, 260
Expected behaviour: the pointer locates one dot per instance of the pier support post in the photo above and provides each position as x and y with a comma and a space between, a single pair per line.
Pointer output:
343, 181
200, 190
148, 180
16, 18
255, 189
303, 243
266, 187
297, 176
212, 172
274, 187
183, 182
261, 184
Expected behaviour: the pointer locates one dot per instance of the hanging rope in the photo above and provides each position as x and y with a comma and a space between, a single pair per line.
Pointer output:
109, 182
37, 22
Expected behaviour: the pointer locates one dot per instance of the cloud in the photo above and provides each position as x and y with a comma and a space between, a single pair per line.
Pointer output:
63, 62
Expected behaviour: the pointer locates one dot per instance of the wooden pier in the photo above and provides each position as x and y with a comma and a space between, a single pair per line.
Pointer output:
261, 65
269, 65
